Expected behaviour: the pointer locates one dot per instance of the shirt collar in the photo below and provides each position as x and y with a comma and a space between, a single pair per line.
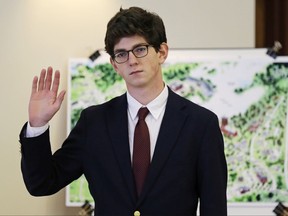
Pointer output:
155, 107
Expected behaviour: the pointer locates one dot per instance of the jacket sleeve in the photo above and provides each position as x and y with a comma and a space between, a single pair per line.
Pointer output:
212, 172
45, 173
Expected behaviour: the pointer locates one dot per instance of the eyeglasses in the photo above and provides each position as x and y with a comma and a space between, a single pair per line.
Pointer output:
139, 52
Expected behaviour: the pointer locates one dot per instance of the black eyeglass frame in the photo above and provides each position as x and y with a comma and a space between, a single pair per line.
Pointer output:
133, 51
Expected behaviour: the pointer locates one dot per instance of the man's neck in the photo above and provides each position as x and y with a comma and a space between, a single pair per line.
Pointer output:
146, 95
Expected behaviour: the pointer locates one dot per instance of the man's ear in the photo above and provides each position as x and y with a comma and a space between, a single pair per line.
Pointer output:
163, 52
114, 64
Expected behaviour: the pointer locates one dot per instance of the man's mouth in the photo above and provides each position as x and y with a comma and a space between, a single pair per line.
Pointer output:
135, 72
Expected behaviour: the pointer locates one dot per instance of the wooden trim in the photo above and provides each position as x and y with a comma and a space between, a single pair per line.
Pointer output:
271, 24
260, 24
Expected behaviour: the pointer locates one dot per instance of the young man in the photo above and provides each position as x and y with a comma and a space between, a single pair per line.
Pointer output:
186, 160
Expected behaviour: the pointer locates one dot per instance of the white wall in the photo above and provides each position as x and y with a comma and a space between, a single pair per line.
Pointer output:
38, 33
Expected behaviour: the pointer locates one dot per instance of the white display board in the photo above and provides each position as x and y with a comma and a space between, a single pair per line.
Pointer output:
246, 88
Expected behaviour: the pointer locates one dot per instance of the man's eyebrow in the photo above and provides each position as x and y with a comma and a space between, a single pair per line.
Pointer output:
119, 50
133, 47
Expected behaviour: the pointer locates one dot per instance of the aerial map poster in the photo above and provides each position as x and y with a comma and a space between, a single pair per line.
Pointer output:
246, 88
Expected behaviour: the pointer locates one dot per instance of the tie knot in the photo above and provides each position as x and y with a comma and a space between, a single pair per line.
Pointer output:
142, 113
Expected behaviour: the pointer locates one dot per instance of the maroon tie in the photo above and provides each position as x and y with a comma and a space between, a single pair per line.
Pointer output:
141, 150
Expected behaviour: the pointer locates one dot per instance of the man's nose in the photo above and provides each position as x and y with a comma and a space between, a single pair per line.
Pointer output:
131, 57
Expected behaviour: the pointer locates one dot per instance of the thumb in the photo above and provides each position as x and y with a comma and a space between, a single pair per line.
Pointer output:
60, 98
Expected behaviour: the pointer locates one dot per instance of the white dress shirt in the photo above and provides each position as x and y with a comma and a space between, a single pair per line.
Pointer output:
153, 120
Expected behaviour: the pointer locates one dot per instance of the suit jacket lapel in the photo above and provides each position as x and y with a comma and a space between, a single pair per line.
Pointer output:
118, 131
172, 122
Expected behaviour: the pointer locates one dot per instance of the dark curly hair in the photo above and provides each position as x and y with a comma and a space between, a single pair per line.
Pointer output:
135, 21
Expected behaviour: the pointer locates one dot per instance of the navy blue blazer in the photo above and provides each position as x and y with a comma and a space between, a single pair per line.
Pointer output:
188, 163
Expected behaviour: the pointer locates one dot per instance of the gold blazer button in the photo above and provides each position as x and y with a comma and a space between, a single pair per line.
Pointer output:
136, 213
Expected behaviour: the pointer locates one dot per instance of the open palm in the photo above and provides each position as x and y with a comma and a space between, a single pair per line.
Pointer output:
44, 100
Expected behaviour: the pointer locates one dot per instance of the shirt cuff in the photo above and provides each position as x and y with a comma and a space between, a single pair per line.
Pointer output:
35, 131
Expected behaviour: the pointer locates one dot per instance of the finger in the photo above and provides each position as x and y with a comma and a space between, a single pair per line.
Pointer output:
56, 82
48, 80
34, 84
41, 80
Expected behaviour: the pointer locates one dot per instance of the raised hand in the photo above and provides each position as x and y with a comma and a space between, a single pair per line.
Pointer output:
44, 100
